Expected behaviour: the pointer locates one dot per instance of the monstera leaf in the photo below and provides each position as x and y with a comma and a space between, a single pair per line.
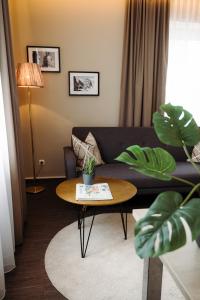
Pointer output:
154, 162
162, 229
176, 127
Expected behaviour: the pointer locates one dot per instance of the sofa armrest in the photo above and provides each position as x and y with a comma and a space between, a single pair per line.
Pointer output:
70, 162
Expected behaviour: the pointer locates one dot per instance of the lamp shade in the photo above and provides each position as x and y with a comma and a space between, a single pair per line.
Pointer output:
29, 75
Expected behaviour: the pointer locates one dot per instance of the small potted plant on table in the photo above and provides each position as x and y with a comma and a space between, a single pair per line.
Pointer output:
88, 171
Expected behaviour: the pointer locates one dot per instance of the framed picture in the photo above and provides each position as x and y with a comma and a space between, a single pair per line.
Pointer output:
83, 83
47, 57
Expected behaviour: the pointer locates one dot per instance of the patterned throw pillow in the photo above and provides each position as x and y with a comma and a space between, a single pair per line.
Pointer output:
196, 153
90, 139
82, 151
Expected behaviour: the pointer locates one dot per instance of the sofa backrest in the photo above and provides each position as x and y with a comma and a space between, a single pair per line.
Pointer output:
113, 140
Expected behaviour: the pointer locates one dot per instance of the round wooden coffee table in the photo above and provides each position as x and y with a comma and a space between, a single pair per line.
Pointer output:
121, 190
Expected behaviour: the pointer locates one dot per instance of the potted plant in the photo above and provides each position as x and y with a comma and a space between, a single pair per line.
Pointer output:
163, 227
88, 171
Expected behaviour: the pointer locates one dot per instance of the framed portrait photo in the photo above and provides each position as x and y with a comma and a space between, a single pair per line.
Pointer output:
83, 83
47, 57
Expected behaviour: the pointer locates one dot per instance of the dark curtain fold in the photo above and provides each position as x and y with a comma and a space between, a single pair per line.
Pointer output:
144, 65
14, 135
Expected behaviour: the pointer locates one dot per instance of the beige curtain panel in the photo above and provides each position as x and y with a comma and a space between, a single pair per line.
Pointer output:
13, 128
144, 65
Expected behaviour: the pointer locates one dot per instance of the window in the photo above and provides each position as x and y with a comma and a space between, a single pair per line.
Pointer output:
183, 76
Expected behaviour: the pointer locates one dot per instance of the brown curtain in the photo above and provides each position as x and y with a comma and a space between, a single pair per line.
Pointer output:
144, 64
13, 129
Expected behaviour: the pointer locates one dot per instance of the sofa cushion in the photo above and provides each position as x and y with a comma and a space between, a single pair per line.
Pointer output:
113, 140
90, 139
122, 171
196, 153
82, 151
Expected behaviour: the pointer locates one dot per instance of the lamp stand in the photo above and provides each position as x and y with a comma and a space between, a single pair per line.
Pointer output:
34, 189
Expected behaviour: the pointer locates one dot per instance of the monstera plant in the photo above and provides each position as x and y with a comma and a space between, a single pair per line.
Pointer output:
163, 228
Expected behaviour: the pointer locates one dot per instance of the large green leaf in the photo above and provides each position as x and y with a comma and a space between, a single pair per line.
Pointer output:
162, 229
154, 162
176, 127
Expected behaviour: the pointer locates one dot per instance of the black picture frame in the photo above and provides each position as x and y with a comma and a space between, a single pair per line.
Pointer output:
84, 83
47, 57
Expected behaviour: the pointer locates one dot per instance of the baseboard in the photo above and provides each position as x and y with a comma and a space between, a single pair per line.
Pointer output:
46, 177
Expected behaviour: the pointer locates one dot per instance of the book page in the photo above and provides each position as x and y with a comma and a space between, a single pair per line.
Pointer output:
99, 191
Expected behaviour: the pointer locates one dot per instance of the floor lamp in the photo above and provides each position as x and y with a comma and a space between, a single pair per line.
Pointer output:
29, 76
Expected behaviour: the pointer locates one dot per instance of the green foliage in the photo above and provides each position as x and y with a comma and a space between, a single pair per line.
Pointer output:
176, 127
154, 162
89, 166
162, 229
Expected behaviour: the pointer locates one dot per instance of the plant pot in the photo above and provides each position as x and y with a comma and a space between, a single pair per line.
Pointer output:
88, 179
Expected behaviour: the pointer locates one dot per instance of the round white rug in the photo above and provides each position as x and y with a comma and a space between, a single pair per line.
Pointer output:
110, 271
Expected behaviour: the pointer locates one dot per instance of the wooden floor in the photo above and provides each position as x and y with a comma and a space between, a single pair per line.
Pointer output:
47, 214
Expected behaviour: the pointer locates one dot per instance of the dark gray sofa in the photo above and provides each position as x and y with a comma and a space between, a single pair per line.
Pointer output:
113, 140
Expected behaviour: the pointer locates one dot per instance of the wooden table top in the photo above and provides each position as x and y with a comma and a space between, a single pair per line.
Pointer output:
121, 191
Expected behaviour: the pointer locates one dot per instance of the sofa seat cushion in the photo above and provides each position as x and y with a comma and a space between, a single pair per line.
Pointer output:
122, 171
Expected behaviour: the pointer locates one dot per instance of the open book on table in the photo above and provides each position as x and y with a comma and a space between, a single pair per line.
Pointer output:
100, 191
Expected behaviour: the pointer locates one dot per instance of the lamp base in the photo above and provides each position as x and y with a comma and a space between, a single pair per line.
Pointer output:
35, 189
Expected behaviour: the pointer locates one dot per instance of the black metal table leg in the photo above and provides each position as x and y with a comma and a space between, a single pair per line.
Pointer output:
124, 224
81, 227
79, 218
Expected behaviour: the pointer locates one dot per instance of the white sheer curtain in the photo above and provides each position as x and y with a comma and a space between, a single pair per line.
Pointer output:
6, 220
183, 77
7, 262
